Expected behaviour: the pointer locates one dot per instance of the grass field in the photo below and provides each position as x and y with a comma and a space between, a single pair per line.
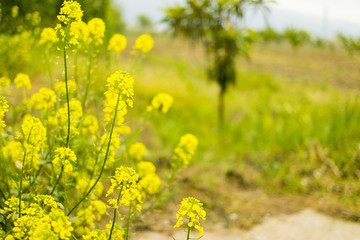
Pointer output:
291, 132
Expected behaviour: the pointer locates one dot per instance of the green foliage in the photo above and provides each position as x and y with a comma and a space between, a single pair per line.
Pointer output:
48, 10
296, 37
269, 35
349, 44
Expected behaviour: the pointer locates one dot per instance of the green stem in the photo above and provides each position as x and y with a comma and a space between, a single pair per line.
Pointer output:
87, 81
188, 231
58, 179
115, 211
65, 194
67, 96
22, 172
105, 158
128, 223
68, 104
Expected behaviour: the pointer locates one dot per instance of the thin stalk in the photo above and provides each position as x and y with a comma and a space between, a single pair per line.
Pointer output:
128, 223
188, 231
22, 172
68, 106
65, 194
67, 96
87, 81
58, 179
115, 211
105, 158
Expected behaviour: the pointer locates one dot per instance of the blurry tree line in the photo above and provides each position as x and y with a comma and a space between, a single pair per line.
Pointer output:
16, 12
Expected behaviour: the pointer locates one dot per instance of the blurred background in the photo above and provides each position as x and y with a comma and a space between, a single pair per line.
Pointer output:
280, 125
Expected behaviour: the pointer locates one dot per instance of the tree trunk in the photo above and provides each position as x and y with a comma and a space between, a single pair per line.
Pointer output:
221, 106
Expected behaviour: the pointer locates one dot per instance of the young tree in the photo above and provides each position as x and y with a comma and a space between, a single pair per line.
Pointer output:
145, 23
212, 23
297, 38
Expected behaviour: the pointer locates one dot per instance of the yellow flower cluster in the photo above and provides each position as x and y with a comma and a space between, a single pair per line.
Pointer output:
43, 100
48, 36
83, 184
13, 150
144, 43
161, 102
60, 87
120, 86
14, 11
64, 156
125, 180
137, 151
22, 80
34, 18
75, 113
40, 220
185, 149
118, 233
117, 43
89, 124
11, 207
121, 81
87, 217
33, 131
4, 107
192, 209
4, 82
96, 31
149, 183
70, 12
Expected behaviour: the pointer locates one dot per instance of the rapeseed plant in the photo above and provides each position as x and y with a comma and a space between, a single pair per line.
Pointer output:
192, 210
53, 144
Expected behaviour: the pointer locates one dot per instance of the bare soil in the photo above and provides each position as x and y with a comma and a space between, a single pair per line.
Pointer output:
307, 224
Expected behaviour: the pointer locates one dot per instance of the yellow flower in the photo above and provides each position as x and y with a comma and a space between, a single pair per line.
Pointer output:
14, 11
64, 156
48, 36
13, 150
43, 100
192, 209
117, 43
4, 107
83, 34
60, 87
22, 80
4, 82
120, 82
89, 124
149, 184
185, 149
33, 131
70, 12
97, 30
144, 43
145, 168
125, 180
161, 102
137, 151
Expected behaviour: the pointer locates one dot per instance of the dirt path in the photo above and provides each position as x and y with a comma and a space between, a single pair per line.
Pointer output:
305, 225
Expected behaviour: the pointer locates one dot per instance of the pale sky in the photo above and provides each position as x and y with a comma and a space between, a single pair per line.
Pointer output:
324, 18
